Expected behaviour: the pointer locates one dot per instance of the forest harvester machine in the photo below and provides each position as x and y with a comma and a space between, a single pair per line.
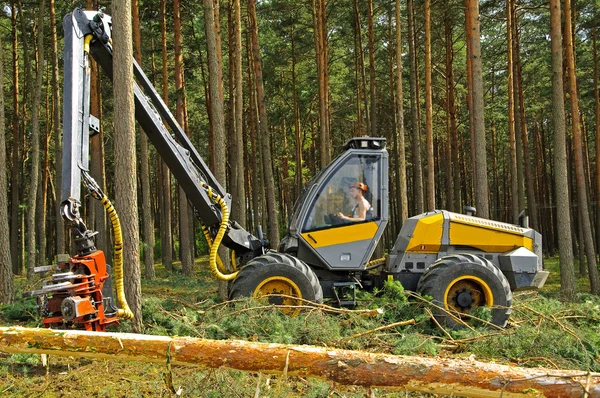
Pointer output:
461, 261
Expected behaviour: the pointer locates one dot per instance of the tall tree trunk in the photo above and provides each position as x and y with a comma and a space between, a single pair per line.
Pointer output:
362, 84
453, 130
470, 180
320, 28
185, 243
255, 194
597, 133
60, 226
166, 235
16, 157
480, 172
215, 84
519, 122
414, 99
35, 146
265, 139
147, 220
124, 147
514, 182
299, 182
578, 156
6, 274
372, 80
399, 136
429, 111
237, 147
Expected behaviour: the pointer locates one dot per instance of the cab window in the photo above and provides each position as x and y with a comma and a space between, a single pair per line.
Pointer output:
333, 195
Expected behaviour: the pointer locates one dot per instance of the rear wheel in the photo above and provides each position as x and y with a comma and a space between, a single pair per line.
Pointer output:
461, 283
274, 276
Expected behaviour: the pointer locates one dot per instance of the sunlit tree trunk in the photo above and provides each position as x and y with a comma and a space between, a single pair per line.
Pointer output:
453, 186
6, 275
597, 133
144, 158
429, 111
399, 136
419, 205
320, 29
561, 182
361, 80
372, 79
16, 150
237, 147
588, 241
265, 140
35, 146
166, 235
124, 149
480, 172
514, 182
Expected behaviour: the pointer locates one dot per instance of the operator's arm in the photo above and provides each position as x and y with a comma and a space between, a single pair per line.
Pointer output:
360, 213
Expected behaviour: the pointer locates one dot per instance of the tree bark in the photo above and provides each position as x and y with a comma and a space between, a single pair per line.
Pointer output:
185, 243
399, 136
16, 158
514, 182
582, 201
147, 219
480, 172
124, 147
419, 205
597, 134
32, 254
6, 275
458, 377
237, 147
372, 79
454, 169
265, 139
166, 235
320, 32
60, 226
429, 111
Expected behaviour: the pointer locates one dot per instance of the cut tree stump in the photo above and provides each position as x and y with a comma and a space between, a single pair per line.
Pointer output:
462, 377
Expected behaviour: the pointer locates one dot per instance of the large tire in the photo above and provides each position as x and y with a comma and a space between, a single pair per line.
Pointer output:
460, 283
276, 273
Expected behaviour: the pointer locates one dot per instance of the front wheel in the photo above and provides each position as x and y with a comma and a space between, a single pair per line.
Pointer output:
462, 282
275, 276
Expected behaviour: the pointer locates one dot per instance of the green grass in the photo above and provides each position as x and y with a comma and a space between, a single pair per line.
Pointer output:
177, 305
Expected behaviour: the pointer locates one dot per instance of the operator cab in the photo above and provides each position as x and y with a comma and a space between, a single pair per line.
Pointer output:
326, 228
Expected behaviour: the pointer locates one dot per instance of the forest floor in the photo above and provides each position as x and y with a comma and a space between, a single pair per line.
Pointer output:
176, 305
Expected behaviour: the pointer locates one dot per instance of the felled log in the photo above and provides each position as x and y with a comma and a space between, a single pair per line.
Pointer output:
461, 377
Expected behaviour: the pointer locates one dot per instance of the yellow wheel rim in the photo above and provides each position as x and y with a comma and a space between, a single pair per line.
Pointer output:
272, 288
467, 292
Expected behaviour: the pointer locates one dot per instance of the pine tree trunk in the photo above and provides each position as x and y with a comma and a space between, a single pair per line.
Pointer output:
124, 149
6, 274
299, 182
265, 140
144, 158
451, 170
185, 243
456, 377
237, 147
429, 111
597, 134
166, 234
361, 79
32, 254
480, 172
16, 150
372, 80
60, 226
514, 182
419, 205
399, 136
582, 201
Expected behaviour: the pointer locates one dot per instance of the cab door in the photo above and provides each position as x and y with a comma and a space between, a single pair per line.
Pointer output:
333, 243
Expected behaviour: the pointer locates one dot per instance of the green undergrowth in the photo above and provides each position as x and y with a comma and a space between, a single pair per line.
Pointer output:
543, 331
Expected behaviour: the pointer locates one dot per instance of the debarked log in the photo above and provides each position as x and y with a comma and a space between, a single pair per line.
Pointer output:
462, 377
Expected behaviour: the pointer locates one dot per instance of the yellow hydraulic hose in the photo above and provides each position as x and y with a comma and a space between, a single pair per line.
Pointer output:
375, 263
214, 245
123, 312
209, 241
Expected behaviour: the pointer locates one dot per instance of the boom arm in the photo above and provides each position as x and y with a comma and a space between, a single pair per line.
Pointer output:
89, 33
